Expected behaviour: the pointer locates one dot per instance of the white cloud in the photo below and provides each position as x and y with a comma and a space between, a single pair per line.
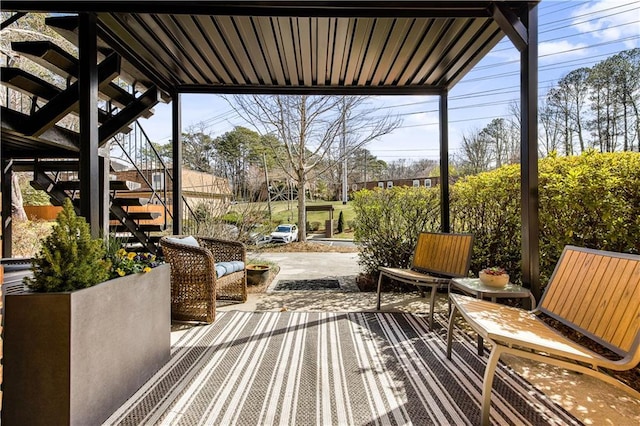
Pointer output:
551, 48
609, 20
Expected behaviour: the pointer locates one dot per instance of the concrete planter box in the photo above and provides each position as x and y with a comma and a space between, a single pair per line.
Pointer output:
74, 358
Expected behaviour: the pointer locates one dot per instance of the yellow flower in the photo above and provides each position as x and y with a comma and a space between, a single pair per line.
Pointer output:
146, 269
131, 255
120, 272
122, 252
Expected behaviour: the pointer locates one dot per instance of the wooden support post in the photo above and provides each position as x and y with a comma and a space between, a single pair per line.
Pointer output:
88, 94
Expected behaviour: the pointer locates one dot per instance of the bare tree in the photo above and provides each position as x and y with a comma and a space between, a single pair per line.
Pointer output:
552, 130
309, 128
499, 136
476, 153
574, 85
627, 83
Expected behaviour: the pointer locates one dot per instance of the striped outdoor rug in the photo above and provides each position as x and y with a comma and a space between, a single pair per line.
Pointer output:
328, 369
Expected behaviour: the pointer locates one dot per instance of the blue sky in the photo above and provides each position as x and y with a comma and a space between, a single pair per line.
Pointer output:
572, 34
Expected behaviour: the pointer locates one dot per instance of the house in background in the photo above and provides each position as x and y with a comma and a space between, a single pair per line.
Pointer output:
390, 183
198, 189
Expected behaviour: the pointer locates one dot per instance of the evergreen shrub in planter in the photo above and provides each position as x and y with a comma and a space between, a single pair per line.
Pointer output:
76, 347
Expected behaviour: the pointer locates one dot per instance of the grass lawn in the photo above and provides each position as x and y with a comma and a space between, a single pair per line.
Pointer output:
287, 212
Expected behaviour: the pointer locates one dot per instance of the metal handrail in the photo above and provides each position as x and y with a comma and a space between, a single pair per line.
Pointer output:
145, 159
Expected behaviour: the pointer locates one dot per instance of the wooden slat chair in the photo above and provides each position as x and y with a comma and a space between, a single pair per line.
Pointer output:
596, 293
436, 258
195, 285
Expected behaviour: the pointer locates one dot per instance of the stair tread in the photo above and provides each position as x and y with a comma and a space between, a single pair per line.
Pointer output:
57, 60
49, 56
58, 166
140, 215
67, 27
28, 83
143, 228
114, 185
124, 201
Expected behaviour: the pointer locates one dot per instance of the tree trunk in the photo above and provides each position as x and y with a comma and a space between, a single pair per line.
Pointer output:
17, 209
302, 204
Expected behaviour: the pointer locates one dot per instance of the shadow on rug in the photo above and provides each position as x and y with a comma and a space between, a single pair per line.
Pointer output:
263, 368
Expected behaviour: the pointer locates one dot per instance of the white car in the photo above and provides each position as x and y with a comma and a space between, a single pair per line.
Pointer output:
285, 233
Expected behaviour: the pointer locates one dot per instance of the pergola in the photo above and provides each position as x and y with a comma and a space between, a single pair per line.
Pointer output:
304, 47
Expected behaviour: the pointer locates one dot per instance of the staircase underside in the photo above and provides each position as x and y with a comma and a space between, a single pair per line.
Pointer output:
56, 142
34, 139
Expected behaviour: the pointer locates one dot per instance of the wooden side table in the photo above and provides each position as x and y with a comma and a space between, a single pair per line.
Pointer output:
474, 287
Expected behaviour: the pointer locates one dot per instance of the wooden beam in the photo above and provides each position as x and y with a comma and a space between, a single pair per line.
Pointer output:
309, 8
511, 25
312, 90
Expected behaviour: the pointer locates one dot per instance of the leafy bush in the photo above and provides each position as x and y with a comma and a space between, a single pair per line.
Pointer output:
313, 226
69, 259
388, 222
591, 200
487, 205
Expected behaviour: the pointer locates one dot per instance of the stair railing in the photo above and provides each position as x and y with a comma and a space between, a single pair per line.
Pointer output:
135, 149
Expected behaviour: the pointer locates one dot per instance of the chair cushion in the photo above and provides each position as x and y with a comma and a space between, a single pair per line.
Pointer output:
188, 241
224, 268
220, 270
237, 265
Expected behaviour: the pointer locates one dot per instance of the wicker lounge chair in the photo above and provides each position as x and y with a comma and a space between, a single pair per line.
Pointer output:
195, 286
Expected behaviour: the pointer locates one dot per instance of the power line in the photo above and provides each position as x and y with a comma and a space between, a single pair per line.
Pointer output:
571, 5
592, 13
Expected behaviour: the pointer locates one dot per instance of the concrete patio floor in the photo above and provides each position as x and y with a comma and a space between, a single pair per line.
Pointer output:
590, 400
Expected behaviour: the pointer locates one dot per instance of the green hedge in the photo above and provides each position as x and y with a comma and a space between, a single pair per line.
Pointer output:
388, 222
591, 200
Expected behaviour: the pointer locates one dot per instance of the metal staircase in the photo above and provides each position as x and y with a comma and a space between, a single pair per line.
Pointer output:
37, 141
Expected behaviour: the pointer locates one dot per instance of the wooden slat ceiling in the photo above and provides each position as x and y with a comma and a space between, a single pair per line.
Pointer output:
391, 47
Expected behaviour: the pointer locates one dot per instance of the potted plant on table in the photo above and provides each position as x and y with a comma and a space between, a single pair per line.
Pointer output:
79, 343
494, 276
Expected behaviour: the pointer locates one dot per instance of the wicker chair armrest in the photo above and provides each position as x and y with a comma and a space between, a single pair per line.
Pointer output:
224, 250
187, 256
